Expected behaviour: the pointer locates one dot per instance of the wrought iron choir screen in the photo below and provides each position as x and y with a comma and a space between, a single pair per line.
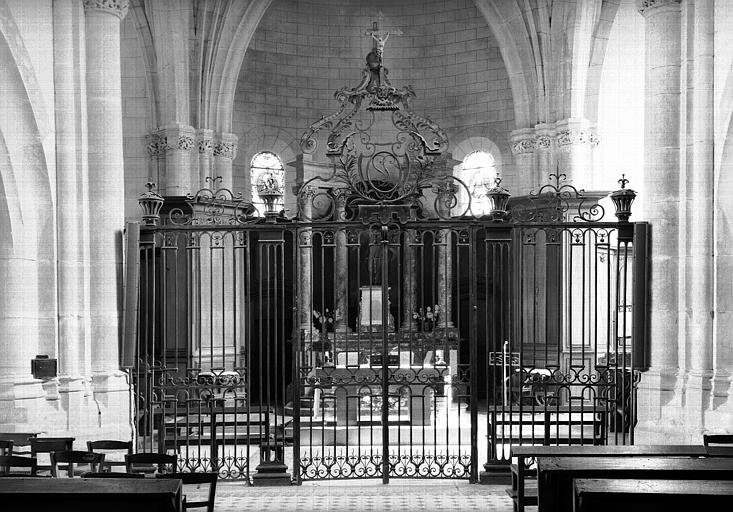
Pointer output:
388, 329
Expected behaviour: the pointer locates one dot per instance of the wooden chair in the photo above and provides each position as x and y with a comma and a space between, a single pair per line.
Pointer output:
112, 475
150, 460
71, 457
48, 445
110, 445
18, 439
6, 447
8, 462
197, 479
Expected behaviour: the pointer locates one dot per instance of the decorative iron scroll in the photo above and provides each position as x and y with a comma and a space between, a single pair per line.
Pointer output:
557, 202
214, 205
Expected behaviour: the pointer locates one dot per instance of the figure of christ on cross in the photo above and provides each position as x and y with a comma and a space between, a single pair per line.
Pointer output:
380, 36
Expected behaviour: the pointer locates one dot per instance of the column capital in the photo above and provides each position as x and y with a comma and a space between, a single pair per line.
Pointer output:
226, 146
523, 141
170, 138
571, 132
115, 7
205, 141
646, 7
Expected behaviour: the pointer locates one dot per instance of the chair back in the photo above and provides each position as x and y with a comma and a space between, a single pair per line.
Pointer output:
151, 459
72, 457
718, 445
18, 439
708, 439
10, 462
112, 475
197, 479
6, 447
46, 445
108, 445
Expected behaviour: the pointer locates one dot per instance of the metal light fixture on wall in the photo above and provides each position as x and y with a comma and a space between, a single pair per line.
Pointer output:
271, 192
622, 200
150, 203
498, 198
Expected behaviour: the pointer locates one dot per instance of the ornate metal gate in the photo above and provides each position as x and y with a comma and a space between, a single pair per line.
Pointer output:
390, 328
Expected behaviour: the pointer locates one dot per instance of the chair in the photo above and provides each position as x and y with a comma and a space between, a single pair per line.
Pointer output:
8, 462
149, 460
197, 479
6, 447
18, 439
72, 457
106, 444
712, 442
112, 475
48, 445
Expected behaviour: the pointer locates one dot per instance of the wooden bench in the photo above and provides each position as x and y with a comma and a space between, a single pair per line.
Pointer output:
519, 489
593, 495
555, 474
91, 495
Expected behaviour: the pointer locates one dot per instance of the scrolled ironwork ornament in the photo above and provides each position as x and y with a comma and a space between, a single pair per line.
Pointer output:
214, 205
557, 201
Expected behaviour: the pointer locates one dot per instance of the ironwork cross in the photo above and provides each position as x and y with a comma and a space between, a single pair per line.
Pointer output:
379, 35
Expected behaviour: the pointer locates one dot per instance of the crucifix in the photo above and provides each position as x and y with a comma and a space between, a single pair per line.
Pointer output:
380, 36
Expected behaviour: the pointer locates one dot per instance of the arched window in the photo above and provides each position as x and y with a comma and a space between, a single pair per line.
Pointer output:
476, 171
267, 172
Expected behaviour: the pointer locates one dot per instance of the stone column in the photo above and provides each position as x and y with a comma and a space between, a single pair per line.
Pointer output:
106, 200
225, 151
445, 279
523, 147
177, 144
574, 139
205, 145
661, 171
409, 282
71, 174
342, 264
545, 161
700, 283
305, 266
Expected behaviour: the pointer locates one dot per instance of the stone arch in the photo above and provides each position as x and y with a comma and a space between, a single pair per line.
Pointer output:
229, 58
27, 207
136, 15
506, 24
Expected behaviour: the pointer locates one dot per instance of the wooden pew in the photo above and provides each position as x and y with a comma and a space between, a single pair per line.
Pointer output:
555, 474
91, 495
522, 498
593, 495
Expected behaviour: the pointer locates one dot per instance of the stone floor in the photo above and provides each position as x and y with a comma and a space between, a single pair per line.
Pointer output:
403, 495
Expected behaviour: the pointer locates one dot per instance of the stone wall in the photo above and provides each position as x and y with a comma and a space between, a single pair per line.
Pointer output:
305, 50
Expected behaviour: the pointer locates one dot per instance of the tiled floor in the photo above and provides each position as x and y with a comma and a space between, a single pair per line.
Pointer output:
423, 496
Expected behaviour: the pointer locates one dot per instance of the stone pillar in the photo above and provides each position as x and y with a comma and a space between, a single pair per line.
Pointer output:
225, 151
545, 161
574, 139
205, 169
106, 200
305, 266
176, 145
72, 217
409, 282
661, 171
445, 279
523, 147
341, 265
700, 284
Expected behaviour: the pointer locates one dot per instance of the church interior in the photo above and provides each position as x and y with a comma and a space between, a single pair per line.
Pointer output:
307, 242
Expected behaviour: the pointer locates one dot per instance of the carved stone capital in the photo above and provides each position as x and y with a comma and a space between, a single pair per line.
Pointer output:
647, 7
226, 146
544, 142
523, 141
115, 7
570, 137
179, 138
205, 142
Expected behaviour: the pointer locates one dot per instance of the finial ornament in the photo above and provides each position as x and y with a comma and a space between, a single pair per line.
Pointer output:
622, 200
150, 203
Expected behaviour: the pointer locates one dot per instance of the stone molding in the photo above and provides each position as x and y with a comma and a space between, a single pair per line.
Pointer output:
544, 137
646, 6
115, 7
